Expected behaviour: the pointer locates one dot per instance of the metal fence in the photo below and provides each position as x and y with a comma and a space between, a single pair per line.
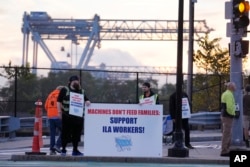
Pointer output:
22, 88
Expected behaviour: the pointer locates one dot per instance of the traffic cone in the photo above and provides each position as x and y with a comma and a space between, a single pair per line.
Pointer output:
37, 136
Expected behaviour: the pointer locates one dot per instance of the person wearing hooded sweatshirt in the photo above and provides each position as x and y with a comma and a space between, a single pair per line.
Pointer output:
54, 120
72, 126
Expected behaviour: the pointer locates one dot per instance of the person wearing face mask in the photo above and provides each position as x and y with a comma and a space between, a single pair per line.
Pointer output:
72, 125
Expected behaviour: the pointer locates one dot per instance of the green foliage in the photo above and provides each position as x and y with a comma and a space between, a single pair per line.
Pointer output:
19, 72
206, 92
99, 90
208, 86
210, 57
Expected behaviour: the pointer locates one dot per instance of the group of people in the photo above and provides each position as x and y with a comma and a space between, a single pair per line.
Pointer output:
70, 126
147, 92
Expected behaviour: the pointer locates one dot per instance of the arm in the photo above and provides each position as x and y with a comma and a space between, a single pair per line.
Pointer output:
87, 101
46, 104
59, 109
59, 101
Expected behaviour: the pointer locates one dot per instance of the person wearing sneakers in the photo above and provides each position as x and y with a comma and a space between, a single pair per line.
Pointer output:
246, 114
72, 125
54, 120
227, 117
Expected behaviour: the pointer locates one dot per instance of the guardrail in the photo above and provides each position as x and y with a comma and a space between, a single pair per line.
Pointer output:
28, 122
206, 118
8, 126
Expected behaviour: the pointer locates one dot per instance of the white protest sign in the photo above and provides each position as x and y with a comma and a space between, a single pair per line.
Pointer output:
185, 108
123, 130
148, 100
76, 105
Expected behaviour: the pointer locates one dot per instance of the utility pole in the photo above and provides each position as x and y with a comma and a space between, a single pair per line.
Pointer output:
190, 50
178, 150
237, 12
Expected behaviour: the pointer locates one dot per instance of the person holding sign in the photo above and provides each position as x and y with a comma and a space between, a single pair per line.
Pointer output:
148, 97
186, 114
71, 102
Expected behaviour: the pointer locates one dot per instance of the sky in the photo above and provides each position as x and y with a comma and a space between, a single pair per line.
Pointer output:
149, 53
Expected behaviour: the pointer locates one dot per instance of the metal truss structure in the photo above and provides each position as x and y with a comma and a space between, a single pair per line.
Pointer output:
42, 27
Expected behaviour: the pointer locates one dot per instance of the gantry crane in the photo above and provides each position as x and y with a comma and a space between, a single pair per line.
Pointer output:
42, 27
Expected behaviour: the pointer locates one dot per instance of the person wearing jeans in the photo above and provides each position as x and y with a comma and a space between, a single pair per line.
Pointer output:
55, 122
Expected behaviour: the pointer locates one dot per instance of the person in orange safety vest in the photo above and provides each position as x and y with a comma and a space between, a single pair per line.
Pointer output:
55, 122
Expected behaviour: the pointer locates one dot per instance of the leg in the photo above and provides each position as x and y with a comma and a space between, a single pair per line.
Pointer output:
226, 134
245, 129
52, 133
59, 128
76, 136
65, 133
185, 127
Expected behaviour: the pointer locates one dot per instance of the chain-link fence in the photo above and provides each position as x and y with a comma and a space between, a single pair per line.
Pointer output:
21, 87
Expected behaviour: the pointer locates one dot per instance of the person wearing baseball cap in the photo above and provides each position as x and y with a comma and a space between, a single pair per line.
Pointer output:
72, 125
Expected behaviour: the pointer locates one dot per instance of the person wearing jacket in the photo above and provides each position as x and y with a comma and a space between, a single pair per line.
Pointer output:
147, 92
72, 125
227, 116
54, 120
184, 121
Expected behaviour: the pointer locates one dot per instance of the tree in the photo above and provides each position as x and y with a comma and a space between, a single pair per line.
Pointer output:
211, 57
19, 72
215, 61
20, 80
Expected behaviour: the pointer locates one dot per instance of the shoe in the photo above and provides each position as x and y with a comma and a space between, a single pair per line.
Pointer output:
57, 149
63, 153
77, 153
52, 152
225, 155
189, 146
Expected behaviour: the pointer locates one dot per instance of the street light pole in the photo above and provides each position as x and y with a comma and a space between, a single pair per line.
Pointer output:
178, 150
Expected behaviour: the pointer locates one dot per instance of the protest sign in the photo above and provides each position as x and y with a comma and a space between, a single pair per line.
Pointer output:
129, 130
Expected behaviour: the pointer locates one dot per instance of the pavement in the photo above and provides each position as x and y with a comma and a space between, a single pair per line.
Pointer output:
206, 143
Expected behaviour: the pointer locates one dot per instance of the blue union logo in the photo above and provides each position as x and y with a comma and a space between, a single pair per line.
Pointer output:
123, 143
76, 110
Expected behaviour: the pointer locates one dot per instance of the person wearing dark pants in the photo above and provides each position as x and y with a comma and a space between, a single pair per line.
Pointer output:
72, 125
184, 121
